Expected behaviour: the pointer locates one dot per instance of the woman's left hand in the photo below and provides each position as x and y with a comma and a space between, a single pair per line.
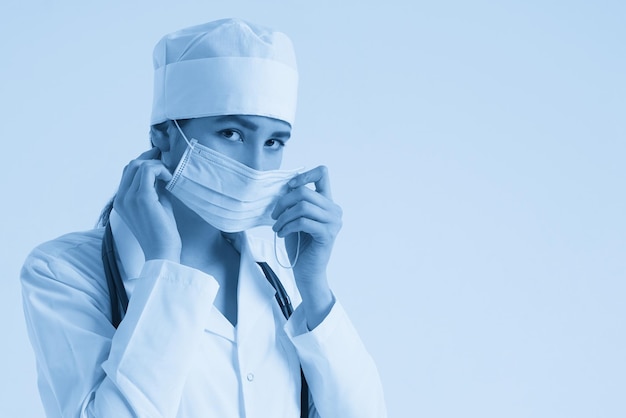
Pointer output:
316, 217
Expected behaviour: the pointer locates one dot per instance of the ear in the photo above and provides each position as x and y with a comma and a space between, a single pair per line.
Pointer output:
161, 135
167, 139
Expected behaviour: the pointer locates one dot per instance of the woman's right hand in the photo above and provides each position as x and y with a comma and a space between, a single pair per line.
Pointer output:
145, 206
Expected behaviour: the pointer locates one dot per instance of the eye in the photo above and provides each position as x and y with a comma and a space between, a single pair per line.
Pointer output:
231, 135
274, 143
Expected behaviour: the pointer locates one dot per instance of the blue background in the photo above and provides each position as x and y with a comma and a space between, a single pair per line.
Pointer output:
477, 149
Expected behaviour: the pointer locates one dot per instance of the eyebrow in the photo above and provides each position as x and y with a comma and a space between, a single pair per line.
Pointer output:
251, 125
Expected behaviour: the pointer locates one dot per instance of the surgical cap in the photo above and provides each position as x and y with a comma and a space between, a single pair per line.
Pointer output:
225, 67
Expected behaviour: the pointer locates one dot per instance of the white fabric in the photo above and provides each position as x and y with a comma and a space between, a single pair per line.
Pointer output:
175, 354
224, 86
224, 67
224, 192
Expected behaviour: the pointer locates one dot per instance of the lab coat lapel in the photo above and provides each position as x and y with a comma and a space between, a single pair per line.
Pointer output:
218, 324
255, 296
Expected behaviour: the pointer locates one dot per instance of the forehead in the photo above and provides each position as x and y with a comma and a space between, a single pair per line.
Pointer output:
249, 122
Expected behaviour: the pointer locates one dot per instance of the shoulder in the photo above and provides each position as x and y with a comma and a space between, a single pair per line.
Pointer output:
65, 294
72, 259
72, 247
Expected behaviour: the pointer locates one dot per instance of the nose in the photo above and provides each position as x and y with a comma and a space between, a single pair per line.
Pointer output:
255, 158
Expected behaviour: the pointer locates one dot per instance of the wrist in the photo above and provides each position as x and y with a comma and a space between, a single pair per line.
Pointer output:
317, 302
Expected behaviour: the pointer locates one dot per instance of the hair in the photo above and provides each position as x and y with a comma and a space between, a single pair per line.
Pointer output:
105, 214
103, 219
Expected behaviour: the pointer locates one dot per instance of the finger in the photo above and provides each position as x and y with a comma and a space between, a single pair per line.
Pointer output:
164, 197
131, 168
144, 184
128, 176
318, 176
152, 154
134, 177
302, 225
303, 209
148, 175
157, 170
301, 193
318, 231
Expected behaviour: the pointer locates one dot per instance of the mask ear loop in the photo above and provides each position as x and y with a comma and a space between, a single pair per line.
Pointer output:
295, 259
182, 133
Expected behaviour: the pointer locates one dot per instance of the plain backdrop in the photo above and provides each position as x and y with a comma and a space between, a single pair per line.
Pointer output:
476, 147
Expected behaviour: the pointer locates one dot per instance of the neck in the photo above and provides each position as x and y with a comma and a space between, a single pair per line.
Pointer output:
205, 248
202, 244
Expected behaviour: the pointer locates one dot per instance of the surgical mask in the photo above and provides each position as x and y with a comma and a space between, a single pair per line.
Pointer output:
226, 193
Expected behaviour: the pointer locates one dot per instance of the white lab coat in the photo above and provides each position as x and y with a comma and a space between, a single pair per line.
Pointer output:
175, 354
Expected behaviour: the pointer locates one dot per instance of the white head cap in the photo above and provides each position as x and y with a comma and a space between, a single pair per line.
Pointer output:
225, 67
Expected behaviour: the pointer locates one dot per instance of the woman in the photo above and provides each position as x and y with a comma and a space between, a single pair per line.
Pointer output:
202, 333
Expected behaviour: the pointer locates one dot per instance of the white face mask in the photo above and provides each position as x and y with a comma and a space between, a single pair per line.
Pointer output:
226, 193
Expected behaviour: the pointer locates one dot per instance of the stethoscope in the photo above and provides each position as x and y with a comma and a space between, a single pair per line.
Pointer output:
117, 292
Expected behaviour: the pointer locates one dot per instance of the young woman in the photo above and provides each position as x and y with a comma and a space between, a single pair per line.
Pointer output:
200, 322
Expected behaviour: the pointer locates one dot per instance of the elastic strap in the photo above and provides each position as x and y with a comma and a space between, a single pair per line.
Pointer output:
182, 133
295, 260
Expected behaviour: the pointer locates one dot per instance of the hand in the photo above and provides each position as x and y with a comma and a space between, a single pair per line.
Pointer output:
143, 204
316, 217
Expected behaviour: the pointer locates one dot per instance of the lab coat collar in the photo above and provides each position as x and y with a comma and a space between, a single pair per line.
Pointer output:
255, 298
255, 295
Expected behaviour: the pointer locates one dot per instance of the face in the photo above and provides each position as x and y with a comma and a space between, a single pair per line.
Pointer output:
255, 141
